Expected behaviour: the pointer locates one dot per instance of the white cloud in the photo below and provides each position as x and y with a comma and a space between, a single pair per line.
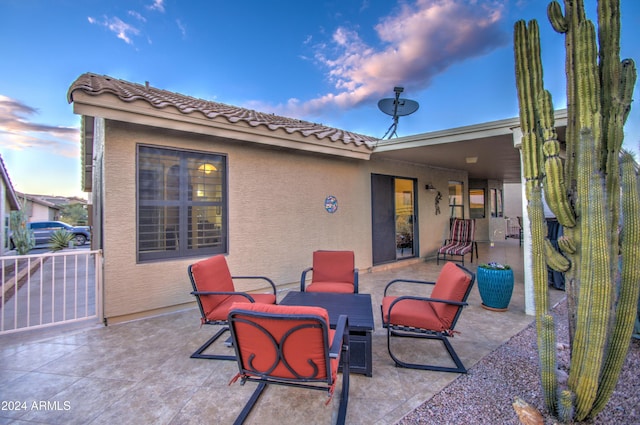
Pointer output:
18, 132
182, 27
137, 15
416, 43
157, 5
123, 30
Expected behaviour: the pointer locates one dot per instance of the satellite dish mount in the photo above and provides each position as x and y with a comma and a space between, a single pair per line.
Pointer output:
397, 108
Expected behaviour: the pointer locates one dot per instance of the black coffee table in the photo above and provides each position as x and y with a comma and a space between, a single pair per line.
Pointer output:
358, 308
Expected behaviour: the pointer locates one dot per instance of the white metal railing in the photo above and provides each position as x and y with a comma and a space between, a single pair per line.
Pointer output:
50, 289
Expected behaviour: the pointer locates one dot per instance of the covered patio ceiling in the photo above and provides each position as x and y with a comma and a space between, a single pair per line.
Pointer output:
492, 144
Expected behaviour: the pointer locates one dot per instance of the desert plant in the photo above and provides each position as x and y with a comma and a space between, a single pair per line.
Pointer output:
593, 191
60, 239
495, 266
21, 236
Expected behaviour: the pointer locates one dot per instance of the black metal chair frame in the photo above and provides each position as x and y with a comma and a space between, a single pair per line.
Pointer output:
339, 348
411, 332
198, 354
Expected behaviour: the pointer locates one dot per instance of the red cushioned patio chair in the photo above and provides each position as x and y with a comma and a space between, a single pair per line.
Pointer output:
289, 345
461, 241
332, 271
432, 317
214, 290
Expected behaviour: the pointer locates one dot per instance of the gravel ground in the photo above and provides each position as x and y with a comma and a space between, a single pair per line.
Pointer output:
486, 393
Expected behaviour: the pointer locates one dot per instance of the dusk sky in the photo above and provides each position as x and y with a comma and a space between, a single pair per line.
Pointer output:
325, 61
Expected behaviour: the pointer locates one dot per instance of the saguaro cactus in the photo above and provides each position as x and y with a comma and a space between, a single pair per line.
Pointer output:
593, 191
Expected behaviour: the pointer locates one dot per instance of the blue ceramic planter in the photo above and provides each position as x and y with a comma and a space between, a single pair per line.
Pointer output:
495, 287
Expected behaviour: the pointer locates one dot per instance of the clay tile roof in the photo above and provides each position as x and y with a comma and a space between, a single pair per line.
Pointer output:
95, 85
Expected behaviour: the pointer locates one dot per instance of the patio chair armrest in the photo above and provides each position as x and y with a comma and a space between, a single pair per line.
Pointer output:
303, 278
420, 282
244, 294
273, 285
342, 332
436, 300
355, 280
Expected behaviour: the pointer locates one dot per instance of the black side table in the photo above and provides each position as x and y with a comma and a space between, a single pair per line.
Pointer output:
358, 308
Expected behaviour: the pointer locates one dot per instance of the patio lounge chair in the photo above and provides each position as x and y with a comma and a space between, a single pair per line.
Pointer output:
214, 290
434, 317
461, 241
332, 271
289, 345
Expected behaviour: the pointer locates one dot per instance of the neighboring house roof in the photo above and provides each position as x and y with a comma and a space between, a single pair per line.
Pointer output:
60, 200
96, 85
12, 198
37, 199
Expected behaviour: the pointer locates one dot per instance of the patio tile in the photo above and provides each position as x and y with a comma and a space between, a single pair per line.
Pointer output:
141, 371
32, 388
146, 403
82, 401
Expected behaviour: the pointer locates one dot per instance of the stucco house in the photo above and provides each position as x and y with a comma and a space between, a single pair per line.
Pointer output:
174, 179
9, 202
39, 209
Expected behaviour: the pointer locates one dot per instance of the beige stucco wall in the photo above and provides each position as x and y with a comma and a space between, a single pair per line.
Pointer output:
276, 214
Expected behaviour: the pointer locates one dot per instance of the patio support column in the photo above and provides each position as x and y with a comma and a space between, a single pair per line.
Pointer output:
529, 304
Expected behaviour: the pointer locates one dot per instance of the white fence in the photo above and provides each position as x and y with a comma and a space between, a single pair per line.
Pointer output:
50, 289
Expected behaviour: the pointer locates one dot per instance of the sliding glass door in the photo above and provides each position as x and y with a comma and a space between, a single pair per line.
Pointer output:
393, 203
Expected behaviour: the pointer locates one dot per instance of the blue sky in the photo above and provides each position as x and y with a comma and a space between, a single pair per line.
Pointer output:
325, 61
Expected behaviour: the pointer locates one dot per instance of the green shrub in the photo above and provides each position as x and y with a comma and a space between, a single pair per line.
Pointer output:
60, 239
21, 236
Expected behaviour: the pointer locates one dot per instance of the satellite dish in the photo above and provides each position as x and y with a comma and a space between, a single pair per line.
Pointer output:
397, 107
401, 107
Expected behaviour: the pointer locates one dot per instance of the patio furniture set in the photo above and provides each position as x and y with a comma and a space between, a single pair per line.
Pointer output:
325, 328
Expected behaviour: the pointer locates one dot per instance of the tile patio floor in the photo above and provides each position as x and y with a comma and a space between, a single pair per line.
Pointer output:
140, 372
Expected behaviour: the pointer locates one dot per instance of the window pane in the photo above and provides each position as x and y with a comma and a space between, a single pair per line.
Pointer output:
158, 174
181, 203
205, 224
476, 203
456, 206
158, 228
206, 179
496, 203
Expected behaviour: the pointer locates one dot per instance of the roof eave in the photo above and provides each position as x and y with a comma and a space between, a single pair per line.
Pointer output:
109, 106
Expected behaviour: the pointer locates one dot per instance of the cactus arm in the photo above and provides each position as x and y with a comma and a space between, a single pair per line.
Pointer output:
612, 111
548, 361
628, 77
555, 260
595, 287
544, 322
566, 245
629, 290
557, 20
574, 14
555, 190
526, 92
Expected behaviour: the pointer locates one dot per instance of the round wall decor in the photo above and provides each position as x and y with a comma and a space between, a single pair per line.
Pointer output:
331, 204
